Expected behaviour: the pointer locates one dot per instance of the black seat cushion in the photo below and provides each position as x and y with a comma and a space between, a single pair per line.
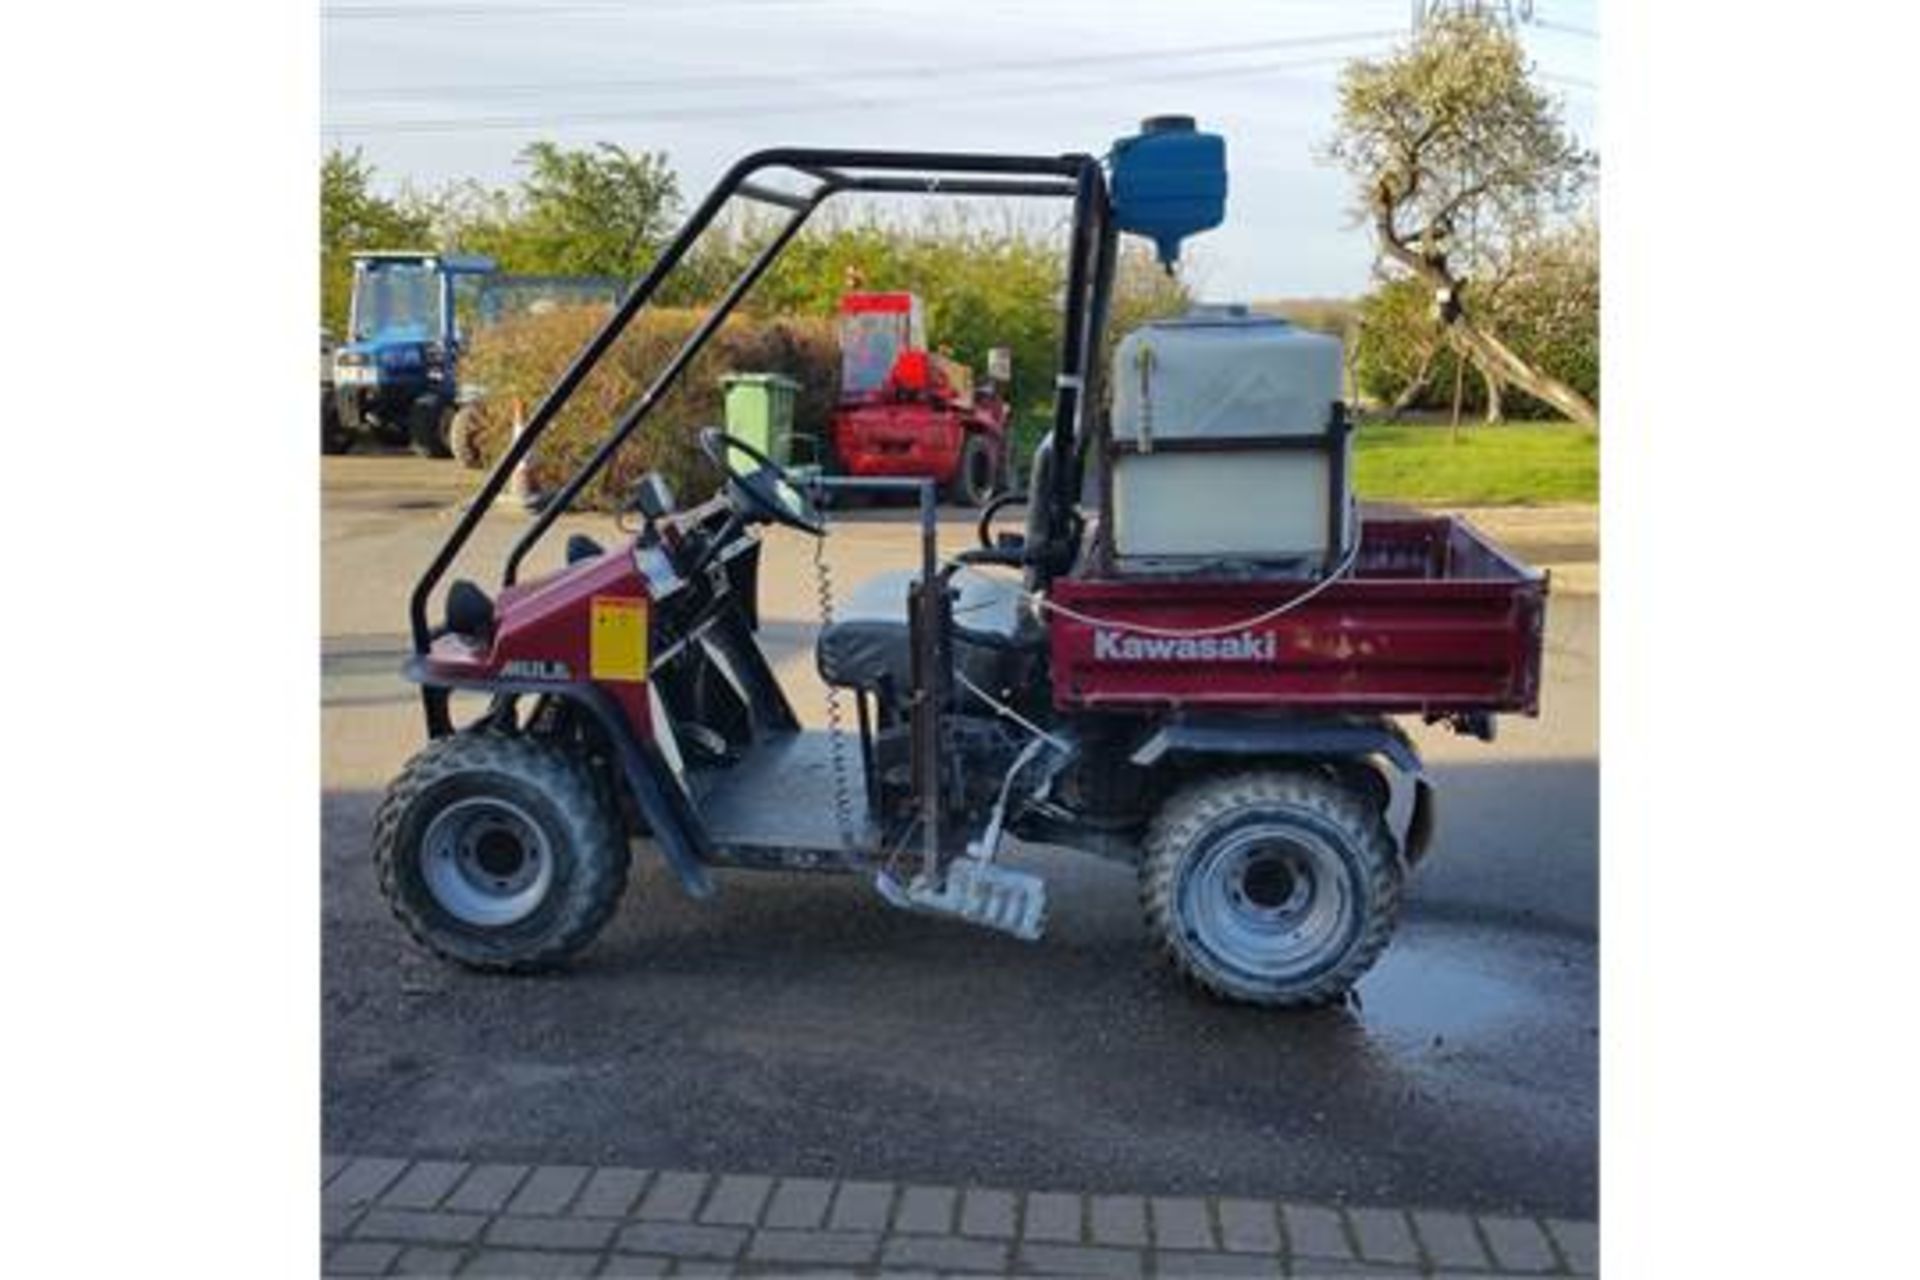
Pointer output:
869, 644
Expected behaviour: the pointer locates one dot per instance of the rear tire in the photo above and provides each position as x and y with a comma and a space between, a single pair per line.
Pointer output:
975, 476
499, 852
1270, 888
427, 423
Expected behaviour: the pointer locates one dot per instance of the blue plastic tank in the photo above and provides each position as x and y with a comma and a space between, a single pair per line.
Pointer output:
1169, 181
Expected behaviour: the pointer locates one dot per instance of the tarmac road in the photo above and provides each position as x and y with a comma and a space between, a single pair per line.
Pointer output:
796, 1025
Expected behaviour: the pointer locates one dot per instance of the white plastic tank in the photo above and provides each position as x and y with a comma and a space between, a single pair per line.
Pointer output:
1228, 440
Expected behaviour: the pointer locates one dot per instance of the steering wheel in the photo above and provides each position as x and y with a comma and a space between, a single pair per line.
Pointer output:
765, 489
984, 530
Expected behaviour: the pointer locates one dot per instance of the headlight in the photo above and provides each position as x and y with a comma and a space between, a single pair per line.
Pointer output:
351, 359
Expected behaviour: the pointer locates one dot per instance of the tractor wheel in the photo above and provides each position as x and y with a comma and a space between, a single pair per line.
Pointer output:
334, 436
499, 852
463, 438
973, 480
1270, 888
427, 424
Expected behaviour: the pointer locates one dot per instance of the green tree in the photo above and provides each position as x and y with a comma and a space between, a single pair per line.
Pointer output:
598, 211
354, 218
1549, 301
594, 211
1458, 161
1398, 347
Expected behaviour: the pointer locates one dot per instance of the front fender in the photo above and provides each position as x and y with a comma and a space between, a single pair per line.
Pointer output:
676, 828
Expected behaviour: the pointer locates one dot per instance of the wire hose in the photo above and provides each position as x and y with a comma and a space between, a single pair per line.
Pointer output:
836, 715
1340, 571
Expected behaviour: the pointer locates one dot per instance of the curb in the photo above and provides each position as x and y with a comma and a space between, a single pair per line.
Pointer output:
395, 1215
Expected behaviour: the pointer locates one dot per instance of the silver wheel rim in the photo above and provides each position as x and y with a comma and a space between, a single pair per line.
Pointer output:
1271, 903
486, 862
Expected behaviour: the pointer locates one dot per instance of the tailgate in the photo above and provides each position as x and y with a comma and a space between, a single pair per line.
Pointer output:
1434, 619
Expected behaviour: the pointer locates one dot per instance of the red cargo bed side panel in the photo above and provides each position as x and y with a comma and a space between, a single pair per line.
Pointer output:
1433, 620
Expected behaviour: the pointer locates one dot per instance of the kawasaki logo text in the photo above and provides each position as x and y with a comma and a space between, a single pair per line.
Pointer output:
1247, 646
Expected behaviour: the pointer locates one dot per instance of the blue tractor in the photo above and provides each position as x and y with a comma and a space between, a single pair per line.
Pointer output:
396, 377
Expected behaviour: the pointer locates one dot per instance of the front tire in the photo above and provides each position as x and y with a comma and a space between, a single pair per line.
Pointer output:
1270, 888
427, 423
463, 438
973, 479
499, 852
334, 436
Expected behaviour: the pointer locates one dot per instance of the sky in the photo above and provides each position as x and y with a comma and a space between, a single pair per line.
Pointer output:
436, 90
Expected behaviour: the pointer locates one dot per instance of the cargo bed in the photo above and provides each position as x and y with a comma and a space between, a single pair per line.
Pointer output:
1434, 619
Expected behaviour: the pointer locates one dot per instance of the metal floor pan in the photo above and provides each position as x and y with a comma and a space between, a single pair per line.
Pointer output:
776, 806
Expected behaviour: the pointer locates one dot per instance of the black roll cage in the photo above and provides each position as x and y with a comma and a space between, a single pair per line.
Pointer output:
1088, 293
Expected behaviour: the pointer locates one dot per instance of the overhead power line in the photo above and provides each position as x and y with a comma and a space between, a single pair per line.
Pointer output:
466, 9
936, 71
789, 108
621, 8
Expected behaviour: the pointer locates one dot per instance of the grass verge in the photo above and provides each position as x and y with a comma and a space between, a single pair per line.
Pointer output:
1514, 464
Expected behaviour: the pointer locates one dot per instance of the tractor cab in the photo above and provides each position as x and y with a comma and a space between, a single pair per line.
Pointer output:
397, 373
1185, 657
876, 330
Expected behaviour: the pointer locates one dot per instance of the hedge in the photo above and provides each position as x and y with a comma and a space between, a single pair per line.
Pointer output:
518, 360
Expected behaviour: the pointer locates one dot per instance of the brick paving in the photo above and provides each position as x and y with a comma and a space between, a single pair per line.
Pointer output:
383, 1216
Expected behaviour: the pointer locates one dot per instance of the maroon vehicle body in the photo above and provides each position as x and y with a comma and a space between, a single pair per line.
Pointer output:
545, 635
1434, 620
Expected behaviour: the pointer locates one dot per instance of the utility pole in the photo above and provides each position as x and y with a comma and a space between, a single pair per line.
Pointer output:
1509, 13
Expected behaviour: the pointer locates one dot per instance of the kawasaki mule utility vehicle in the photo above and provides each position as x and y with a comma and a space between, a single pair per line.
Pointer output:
397, 375
1185, 659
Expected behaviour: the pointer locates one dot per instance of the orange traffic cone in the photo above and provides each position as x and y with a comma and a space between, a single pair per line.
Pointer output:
520, 489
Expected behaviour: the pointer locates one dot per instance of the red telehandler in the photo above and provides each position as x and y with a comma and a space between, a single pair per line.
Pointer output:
906, 412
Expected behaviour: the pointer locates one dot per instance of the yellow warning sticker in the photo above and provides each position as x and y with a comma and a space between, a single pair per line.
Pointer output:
618, 647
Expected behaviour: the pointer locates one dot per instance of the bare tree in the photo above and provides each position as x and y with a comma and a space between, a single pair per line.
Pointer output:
1416, 385
1449, 134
